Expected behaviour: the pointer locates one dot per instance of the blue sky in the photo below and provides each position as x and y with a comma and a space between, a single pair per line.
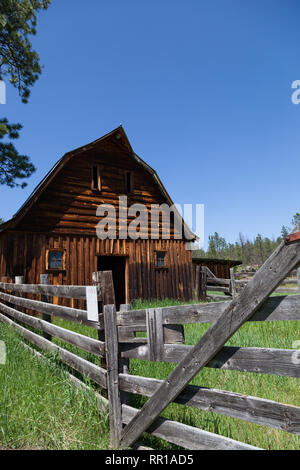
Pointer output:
202, 88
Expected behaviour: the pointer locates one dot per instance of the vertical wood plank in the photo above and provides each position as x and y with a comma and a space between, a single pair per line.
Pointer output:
115, 413
155, 334
202, 283
47, 299
124, 364
298, 277
232, 283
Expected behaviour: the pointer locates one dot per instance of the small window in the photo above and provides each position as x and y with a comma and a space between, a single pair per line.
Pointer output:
160, 259
55, 259
128, 182
96, 178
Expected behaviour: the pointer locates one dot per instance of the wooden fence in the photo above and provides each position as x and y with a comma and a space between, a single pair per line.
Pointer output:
206, 282
119, 344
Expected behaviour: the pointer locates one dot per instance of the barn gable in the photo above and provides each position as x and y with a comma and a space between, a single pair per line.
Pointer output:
66, 202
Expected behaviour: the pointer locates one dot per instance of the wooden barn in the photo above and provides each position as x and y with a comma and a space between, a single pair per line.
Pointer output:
219, 267
55, 230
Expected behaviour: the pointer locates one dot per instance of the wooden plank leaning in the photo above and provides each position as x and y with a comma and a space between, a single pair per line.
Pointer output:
284, 259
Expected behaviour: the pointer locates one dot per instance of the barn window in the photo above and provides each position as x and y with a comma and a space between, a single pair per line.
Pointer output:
128, 182
55, 259
160, 259
96, 178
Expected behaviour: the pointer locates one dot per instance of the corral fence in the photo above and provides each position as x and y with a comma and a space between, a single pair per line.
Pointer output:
117, 343
207, 283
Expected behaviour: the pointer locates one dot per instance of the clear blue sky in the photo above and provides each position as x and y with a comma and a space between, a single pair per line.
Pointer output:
202, 88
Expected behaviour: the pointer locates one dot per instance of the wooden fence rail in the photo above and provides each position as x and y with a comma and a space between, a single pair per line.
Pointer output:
231, 287
120, 343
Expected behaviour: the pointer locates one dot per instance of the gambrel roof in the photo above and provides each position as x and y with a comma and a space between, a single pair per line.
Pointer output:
117, 135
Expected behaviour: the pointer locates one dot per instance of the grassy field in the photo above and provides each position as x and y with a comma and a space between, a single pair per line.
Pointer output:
260, 334
40, 408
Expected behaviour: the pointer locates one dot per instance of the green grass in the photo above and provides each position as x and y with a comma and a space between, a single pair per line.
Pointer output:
40, 408
252, 334
281, 389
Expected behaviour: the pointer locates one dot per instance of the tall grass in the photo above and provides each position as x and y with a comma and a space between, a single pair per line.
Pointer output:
282, 389
39, 406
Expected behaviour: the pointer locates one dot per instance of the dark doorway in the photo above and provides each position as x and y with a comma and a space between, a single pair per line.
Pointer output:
116, 264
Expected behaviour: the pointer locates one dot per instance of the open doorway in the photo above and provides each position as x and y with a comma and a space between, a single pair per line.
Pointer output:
116, 264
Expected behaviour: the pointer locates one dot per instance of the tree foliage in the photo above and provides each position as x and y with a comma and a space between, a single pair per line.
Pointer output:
253, 252
20, 64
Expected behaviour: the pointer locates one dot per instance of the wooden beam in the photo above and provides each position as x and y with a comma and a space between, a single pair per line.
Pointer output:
115, 414
74, 292
187, 436
76, 339
285, 258
46, 299
245, 407
155, 335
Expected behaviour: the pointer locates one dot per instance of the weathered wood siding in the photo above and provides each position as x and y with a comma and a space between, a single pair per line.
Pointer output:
24, 254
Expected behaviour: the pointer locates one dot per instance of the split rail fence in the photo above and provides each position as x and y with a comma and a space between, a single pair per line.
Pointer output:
117, 343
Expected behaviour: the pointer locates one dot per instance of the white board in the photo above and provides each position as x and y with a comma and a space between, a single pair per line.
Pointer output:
92, 303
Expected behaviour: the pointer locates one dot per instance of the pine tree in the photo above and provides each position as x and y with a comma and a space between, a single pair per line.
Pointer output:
20, 64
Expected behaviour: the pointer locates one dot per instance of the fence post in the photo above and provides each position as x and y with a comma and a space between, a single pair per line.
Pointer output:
202, 283
46, 298
124, 364
298, 277
112, 360
232, 283
103, 280
19, 280
155, 335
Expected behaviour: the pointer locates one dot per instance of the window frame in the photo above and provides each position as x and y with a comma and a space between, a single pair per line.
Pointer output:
99, 179
130, 173
63, 259
164, 253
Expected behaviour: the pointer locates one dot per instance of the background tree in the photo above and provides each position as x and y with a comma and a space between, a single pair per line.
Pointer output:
296, 219
21, 65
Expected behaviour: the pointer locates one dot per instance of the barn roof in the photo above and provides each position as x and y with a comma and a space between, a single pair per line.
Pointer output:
117, 135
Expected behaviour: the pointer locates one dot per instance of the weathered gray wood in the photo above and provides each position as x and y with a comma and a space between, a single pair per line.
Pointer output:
103, 280
124, 364
202, 283
273, 309
173, 334
186, 436
74, 292
210, 273
67, 313
251, 409
274, 270
19, 280
259, 360
84, 342
95, 373
287, 290
298, 278
155, 334
45, 280
218, 289
215, 297
232, 283
115, 413
215, 281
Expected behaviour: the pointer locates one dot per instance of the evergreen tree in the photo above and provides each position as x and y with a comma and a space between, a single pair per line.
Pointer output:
20, 64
